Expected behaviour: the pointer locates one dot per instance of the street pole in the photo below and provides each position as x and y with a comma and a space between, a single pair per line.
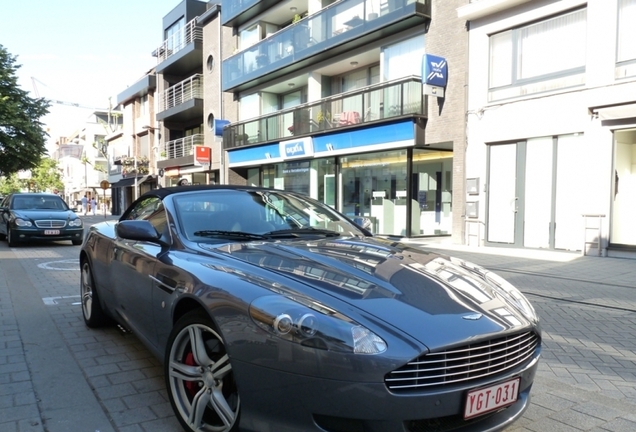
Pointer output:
136, 177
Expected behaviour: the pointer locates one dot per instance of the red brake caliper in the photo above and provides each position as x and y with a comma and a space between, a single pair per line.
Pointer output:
191, 386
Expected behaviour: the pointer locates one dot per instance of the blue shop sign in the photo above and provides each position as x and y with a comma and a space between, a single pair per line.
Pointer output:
219, 125
434, 70
297, 148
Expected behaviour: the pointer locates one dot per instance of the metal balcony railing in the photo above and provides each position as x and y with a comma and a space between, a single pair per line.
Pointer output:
181, 147
190, 88
179, 40
379, 102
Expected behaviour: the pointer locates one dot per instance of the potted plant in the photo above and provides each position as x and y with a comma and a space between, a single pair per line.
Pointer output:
324, 119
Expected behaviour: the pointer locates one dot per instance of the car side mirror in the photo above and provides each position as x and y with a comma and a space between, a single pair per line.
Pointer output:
138, 230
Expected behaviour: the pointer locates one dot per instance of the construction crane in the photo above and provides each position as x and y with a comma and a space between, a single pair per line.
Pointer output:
59, 102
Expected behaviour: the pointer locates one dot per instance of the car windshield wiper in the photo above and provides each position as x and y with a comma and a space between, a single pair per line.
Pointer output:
297, 232
229, 234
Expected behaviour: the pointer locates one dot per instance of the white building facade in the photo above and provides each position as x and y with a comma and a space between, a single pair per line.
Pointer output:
83, 160
551, 125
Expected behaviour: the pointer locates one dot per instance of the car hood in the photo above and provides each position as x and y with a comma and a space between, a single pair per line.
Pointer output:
434, 298
45, 214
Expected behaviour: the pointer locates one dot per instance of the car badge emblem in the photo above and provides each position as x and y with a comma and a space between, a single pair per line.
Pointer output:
472, 317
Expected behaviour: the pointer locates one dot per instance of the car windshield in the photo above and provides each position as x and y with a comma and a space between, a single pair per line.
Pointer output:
241, 215
38, 202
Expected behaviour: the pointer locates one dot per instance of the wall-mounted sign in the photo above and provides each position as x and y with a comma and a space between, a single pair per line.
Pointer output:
434, 75
202, 155
297, 148
219, 125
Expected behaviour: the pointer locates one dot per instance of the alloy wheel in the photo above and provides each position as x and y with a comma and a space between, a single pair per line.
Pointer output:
200, 378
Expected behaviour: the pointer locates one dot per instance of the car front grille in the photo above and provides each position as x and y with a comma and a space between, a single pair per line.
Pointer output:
50, 224
463, 364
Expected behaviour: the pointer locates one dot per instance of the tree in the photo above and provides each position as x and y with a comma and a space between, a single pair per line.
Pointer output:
46, 176
10, 184
22, 137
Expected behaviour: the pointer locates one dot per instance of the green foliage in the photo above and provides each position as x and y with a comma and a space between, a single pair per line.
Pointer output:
22, 137
45, 176
11, 184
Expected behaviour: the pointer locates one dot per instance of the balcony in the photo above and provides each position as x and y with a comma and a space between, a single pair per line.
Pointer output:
183, 101
340, 27
237, 12
182, 52
180, 152
373, 104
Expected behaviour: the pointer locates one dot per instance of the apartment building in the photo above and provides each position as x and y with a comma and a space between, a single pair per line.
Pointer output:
133, 148
184, 150
328, 100
551, 154
82, 158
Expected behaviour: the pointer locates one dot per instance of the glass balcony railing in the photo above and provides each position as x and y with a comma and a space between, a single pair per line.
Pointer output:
232, 8
371, 104
343, 25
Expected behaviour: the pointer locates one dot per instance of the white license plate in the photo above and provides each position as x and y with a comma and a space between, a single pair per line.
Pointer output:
51, 232
487, 399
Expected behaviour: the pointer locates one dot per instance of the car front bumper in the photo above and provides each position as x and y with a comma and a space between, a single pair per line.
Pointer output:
22, 234
276, 401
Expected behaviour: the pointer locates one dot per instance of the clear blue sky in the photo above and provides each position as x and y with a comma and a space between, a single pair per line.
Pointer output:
81, 51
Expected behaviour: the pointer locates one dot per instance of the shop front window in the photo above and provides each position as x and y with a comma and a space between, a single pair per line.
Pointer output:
323, 181
432, 191
623, 229
374, 186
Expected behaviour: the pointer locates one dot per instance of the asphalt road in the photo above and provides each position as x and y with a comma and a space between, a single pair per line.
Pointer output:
56, 375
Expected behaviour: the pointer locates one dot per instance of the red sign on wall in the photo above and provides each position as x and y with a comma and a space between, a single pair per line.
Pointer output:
202, 155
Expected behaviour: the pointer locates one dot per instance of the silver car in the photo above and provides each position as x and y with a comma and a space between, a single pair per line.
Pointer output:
273, 312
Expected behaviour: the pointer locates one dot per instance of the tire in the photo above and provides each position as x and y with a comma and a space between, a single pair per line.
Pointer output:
76, 242
94, 315
11, 238
201, 385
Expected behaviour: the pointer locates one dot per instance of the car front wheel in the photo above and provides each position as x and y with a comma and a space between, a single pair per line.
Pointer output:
11, 240
199, 376
94, 315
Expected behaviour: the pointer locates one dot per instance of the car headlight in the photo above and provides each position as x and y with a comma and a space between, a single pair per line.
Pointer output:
512, 294
313, 325
75, 222
22, 223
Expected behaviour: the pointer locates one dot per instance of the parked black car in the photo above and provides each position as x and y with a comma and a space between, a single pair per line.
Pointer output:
38, 216
273, 312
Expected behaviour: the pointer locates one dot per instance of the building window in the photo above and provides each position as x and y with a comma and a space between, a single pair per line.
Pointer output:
143, 105
398, 59
543, 56
174, 35
626, 49
210, 63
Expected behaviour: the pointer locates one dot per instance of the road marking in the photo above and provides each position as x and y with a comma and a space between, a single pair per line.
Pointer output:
61, 265
51, 301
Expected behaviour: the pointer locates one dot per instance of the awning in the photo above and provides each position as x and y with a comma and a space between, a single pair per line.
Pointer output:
615, 112
131, 181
